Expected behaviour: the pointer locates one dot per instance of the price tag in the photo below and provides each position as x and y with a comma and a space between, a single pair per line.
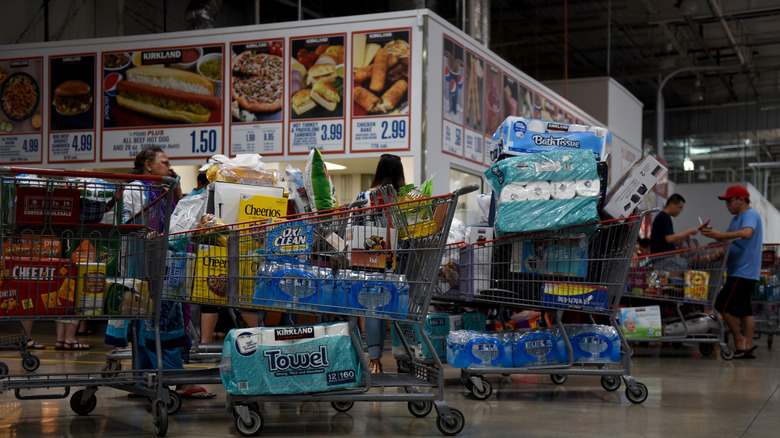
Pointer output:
474, 147
71, 146
183, 142
452, 138
23, 148
266, 139
380, 133
325, 135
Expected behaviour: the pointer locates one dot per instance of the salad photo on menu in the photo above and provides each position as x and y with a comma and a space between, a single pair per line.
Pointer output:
170, 86
257, 81
380, 73
317, 77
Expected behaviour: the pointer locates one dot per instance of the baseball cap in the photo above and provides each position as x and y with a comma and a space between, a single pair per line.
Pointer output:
735, 191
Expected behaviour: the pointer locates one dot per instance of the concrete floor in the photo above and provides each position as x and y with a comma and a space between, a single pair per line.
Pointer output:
689, 396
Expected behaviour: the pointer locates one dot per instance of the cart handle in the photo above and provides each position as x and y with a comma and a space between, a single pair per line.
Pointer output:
466, 190
85, 174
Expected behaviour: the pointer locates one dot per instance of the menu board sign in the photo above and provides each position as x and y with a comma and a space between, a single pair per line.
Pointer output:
72, 109
380, 90
317, 94
257, 97
167, 97
20, 110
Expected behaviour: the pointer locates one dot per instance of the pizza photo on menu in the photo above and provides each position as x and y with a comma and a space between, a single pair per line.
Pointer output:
257, 81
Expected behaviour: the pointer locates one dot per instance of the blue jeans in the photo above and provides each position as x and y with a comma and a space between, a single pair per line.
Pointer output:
376, 331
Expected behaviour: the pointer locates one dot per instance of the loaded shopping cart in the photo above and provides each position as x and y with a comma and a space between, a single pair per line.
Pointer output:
579, 270
85, 245
671, 296
766, 299
378, 261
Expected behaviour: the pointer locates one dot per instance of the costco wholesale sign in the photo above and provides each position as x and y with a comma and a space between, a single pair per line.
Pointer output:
345, 86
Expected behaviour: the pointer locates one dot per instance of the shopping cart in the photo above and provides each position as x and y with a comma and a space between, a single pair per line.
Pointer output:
684, 283
766, 299
579, 269
318, 264
85, 245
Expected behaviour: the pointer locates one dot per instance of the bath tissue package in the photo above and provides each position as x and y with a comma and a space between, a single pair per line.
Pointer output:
520, 135
545, 191
436, 326
289, 360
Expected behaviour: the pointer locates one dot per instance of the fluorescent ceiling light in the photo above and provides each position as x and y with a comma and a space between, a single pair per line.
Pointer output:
334, 166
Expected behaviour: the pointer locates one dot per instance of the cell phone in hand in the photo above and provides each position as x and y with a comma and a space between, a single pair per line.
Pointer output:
703, 225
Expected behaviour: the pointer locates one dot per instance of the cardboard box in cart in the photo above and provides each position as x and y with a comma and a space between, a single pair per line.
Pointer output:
37, 287
629, 191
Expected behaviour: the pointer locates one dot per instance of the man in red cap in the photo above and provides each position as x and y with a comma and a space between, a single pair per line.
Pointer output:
743, 269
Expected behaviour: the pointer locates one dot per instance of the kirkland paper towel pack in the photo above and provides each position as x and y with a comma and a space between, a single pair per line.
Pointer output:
545, 191
289, 360
519, 135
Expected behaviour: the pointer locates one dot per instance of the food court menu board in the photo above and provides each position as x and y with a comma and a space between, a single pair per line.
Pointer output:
20, 101
317, 94
169, 97
380, 90
72, 108
257, 97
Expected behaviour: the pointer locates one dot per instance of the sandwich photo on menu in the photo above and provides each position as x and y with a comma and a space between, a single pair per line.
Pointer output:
381, 73
317, 78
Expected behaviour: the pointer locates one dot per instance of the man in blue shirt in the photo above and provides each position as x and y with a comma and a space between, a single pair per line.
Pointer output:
662, 235
743, 268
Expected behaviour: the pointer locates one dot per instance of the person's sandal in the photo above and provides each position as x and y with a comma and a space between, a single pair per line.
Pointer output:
76, 346
375, 366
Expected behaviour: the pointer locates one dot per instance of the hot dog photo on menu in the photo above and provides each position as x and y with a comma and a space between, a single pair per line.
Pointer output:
317, 77
170, 86
257, 81
380, 73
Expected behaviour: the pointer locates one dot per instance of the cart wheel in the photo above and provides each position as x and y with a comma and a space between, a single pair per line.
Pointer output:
114, 366
3, 369
487, 389
160, 418
31, 363
706, 349
81, 406
610, 383
420, 409
558, 379
637, 396
455, 425
174, 402
253, 426
342, 406
726, 353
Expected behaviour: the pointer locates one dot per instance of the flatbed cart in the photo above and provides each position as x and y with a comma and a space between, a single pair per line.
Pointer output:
766, 299
68, 253
317, 263
579, 270
684, 281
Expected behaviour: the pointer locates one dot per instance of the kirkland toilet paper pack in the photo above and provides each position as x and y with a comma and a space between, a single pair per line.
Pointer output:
520, 135
289, 360
545, 191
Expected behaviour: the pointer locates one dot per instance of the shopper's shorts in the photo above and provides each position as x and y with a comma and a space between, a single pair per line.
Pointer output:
734, 298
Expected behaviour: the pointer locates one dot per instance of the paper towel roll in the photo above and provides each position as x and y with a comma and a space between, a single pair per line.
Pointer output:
587, 187
337, 329
538, 190
320, 331
513, 192
563, 189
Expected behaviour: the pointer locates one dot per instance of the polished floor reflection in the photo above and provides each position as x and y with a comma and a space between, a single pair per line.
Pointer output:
689, 395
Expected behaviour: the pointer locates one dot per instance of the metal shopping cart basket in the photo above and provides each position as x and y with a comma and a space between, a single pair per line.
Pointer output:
85, 245
684, 283
580, 269
766, 299
378, 261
